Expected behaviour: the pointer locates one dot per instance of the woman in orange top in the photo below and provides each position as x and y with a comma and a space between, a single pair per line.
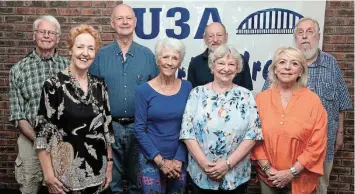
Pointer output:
293, 120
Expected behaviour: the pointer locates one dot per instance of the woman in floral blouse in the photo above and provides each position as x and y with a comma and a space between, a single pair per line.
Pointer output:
73, 126
220, 127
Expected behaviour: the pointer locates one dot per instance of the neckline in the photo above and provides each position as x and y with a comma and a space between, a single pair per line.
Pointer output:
213, 92
181, 82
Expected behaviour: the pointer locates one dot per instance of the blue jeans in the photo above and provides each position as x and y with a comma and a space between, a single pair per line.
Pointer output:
125, 159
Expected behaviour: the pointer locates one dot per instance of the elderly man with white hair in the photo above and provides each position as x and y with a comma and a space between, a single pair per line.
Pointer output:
26, 80
326, 80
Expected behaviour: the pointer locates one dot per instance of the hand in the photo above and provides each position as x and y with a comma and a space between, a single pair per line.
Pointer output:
271, 171
177, 165
339, 143
281, 178
54, 185
169, 169
108, 174
207, 165
218, 170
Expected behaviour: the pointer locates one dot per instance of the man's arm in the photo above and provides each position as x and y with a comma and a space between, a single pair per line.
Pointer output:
191, 74
247, 82
26, 129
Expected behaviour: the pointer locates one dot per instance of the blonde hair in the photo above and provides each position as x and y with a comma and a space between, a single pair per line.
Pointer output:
222, 51
81, 29
294, 54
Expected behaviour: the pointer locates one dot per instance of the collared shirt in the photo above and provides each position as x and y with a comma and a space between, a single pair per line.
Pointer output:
200, 74
123, 76
219, 123
326, 80
26, 80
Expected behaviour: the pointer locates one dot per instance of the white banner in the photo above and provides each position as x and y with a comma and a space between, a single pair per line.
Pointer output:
255, 28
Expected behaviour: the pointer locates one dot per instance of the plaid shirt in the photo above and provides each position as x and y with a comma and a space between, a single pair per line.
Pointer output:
326, 80
26, 80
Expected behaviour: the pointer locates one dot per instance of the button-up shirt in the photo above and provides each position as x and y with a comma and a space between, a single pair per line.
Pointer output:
200, 74
123, 75
26, 80
326, 80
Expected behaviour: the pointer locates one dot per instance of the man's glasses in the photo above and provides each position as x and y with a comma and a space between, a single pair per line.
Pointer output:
49, 32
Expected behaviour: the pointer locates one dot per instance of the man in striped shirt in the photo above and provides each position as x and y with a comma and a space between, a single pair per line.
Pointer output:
26, 79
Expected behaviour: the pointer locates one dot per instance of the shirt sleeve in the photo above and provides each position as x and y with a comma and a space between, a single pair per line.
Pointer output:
314, 152
254, 128
108, 129
342, 95
140, 125
187, 127
247, 82
266, 85
258, 152
191, 74
16, 99
94, 68
46, 120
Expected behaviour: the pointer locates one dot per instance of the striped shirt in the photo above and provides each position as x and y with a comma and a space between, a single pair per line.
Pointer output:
26, 80
326, 80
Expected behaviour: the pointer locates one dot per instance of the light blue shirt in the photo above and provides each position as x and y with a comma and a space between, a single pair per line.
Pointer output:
219, 123
123, 76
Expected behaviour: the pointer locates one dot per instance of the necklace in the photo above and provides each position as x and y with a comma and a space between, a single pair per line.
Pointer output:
230, 87
165, 90
286, 98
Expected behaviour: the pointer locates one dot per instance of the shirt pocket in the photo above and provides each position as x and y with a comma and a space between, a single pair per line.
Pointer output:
328, 91
142, 78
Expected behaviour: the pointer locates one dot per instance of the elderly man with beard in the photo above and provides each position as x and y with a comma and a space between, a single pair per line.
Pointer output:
326, 80
200, 74
26, 80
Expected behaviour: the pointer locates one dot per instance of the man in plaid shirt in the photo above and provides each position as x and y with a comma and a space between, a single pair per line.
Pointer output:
26, 79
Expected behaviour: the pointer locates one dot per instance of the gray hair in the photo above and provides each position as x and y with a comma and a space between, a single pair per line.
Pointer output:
306, 19
222, 51
293, 53
171, 44
48, 18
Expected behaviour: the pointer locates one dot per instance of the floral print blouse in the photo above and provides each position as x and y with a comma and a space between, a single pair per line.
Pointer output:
68, 114
219, 123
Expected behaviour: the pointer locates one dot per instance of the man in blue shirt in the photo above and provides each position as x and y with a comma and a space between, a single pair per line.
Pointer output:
200, 74
124, 64
326, 80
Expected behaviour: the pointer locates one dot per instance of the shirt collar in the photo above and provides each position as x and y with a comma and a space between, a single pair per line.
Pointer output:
33, 54
130, 51
320, 60
205, 54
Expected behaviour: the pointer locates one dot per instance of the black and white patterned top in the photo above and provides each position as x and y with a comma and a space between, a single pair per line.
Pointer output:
68, 114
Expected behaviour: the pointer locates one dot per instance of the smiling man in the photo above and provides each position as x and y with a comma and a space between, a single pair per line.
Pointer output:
200, 74
26, 80
326, 80
124, 64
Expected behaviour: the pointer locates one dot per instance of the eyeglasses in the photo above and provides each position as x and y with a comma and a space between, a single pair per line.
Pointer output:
121, 18
300, 32
44, 32
211, 36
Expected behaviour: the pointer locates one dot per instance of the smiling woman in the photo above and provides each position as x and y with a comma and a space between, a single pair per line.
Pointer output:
74, 131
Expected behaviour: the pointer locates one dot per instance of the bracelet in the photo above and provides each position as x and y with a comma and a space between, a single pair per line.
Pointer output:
229, 164
109, 159
161, 163
266, 167
293, 172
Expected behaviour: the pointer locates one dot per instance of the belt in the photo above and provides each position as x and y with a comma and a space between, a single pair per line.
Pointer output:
123, 120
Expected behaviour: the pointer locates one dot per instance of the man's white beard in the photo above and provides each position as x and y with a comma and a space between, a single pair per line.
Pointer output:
310, 53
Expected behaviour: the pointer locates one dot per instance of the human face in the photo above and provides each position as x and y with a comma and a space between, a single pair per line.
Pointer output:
169, 61
46, 36
307, 38
83, 51
225, 69
123, 20
288, 69
215, 35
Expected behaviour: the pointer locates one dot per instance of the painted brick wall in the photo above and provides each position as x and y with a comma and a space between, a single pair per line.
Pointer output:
16, 18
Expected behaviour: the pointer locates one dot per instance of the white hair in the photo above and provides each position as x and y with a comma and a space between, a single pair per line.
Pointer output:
171, 44
48, 18
222, 51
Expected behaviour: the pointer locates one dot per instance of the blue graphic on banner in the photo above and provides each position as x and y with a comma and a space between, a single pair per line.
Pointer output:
269, 21
182, 22
181, 73
257, 67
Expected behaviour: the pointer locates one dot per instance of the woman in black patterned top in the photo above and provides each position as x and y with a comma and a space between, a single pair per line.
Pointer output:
73, 126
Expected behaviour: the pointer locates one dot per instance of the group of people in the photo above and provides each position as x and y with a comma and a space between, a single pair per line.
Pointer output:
119, 113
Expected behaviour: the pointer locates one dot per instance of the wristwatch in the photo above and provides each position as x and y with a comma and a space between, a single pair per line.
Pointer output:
229, 164
294, 172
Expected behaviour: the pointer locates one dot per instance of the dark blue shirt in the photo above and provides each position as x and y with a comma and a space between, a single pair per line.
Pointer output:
123, 77
200, 74
158, 122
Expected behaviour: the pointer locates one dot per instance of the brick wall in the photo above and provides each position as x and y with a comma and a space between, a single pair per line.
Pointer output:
16, 18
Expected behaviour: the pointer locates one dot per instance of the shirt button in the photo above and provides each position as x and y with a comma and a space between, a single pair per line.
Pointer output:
125, 98
124, 74
125, 86
281, 123
282, 116
125, 111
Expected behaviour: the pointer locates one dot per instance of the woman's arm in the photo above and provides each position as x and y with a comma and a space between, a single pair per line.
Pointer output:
109, 166
197, 153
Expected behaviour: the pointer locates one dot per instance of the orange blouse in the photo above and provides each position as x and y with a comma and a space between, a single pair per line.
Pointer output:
296, 133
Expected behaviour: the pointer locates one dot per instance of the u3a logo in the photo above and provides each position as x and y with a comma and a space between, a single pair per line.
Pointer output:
172, 13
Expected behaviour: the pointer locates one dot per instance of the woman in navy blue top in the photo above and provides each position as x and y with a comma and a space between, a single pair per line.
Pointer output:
160, 105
